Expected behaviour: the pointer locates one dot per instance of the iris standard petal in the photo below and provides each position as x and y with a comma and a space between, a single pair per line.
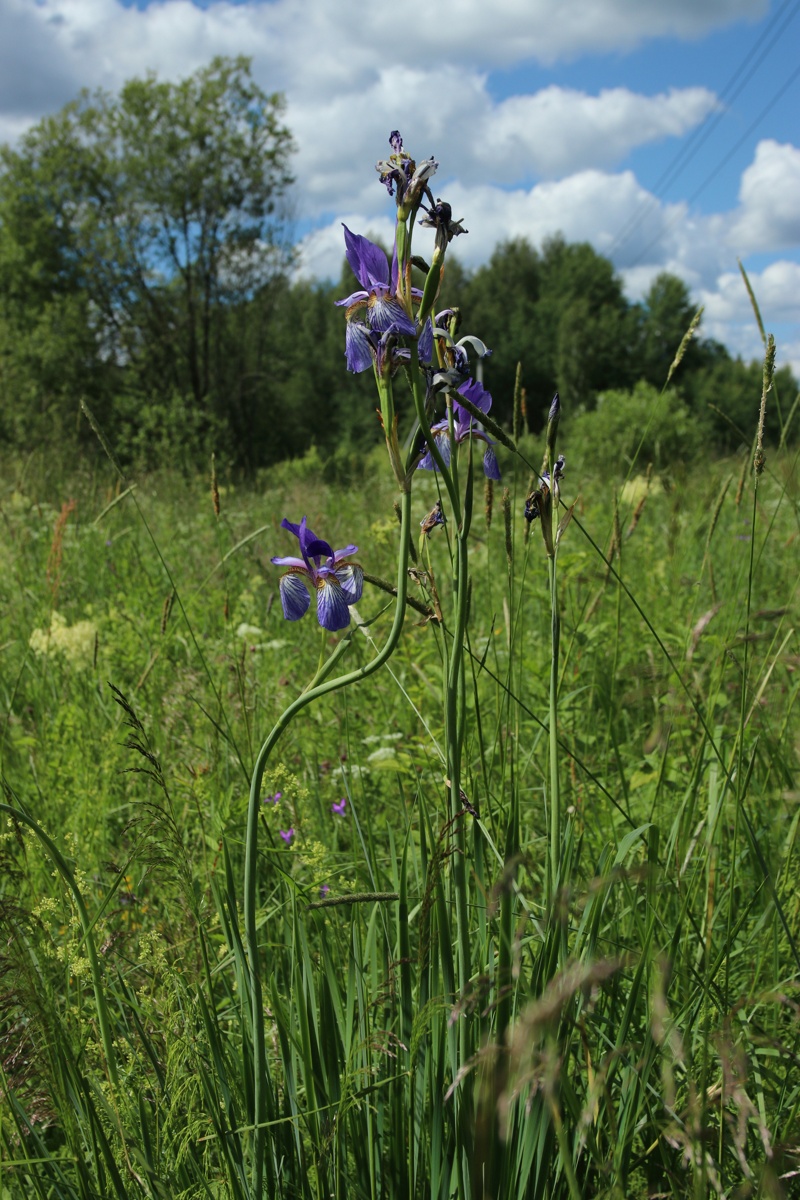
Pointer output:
490, 468
358, 348
368, 262
294, 596
351, 578
477, 394
290, 525
332, 611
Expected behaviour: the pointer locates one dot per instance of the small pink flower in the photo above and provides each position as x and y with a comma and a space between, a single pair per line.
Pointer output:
338, 807
287, 835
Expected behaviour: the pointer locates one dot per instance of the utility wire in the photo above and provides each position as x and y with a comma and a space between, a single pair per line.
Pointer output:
722, 162
700, 135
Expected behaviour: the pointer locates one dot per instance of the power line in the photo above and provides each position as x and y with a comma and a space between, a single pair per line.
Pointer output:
702, 132
723, 161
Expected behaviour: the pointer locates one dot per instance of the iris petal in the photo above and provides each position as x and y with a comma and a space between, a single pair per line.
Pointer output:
490, 467
385, 314
294, 596
474, 391
288, 561
332, 611
368, 262
358, 348
425, 344
351, 578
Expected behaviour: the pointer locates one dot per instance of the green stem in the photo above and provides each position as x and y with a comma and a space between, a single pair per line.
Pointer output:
317, 690
555, 795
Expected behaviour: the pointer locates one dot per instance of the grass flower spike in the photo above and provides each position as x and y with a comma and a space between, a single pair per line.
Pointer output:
338, 583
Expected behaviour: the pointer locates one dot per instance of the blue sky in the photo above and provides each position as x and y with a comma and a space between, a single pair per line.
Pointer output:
543, 119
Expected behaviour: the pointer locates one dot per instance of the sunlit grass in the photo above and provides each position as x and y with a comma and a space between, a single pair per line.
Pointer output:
637, 1038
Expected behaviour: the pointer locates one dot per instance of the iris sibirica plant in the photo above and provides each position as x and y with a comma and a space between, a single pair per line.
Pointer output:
392, 327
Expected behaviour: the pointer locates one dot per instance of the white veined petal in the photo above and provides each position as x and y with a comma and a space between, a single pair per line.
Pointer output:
332, 611
294, 596
351, 577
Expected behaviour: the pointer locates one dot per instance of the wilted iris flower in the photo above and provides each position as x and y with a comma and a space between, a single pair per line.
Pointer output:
464, 426
401, 174
440, 217
338, 583
378, 286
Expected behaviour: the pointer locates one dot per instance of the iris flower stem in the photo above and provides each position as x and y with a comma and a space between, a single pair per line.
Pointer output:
314, 692
555, 794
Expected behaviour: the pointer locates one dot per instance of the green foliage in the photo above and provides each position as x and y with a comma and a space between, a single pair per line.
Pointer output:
660, 1059
640, 425
144, 217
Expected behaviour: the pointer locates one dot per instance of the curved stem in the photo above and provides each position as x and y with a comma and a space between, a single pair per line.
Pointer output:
317, 690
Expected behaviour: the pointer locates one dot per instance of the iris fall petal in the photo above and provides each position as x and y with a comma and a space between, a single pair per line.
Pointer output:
294, 596
332, 610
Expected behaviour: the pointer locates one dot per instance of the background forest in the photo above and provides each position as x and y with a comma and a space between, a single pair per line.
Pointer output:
147, 268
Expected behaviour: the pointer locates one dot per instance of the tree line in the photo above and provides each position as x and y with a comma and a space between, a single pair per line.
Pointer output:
146, 268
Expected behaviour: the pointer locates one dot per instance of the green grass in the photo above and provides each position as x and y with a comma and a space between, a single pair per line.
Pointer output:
442, 1028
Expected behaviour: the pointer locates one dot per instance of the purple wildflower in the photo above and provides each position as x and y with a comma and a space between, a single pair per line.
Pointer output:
364, 347
338, 807
272, 799
287, 835
378, 286
338, 583
464, 426
323, 891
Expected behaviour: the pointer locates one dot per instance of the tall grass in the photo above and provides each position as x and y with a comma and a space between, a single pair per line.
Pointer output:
503, 906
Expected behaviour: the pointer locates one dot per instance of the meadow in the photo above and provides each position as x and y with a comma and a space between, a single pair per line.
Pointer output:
576, 977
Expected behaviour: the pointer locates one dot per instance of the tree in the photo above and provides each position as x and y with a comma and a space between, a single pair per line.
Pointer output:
156, 210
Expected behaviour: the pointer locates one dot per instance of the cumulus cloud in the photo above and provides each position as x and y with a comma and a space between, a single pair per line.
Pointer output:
769, 197
314, 39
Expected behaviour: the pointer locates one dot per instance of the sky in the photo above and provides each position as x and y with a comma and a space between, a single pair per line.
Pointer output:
663, 132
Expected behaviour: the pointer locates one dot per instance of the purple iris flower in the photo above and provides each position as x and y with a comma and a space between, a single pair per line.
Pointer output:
323, 891
464, 426
338, 583
287, 835
364, 347
338, 807
378, 285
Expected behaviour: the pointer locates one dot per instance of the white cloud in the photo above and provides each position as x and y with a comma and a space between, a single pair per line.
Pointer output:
769, 197
557, 130
334, 43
